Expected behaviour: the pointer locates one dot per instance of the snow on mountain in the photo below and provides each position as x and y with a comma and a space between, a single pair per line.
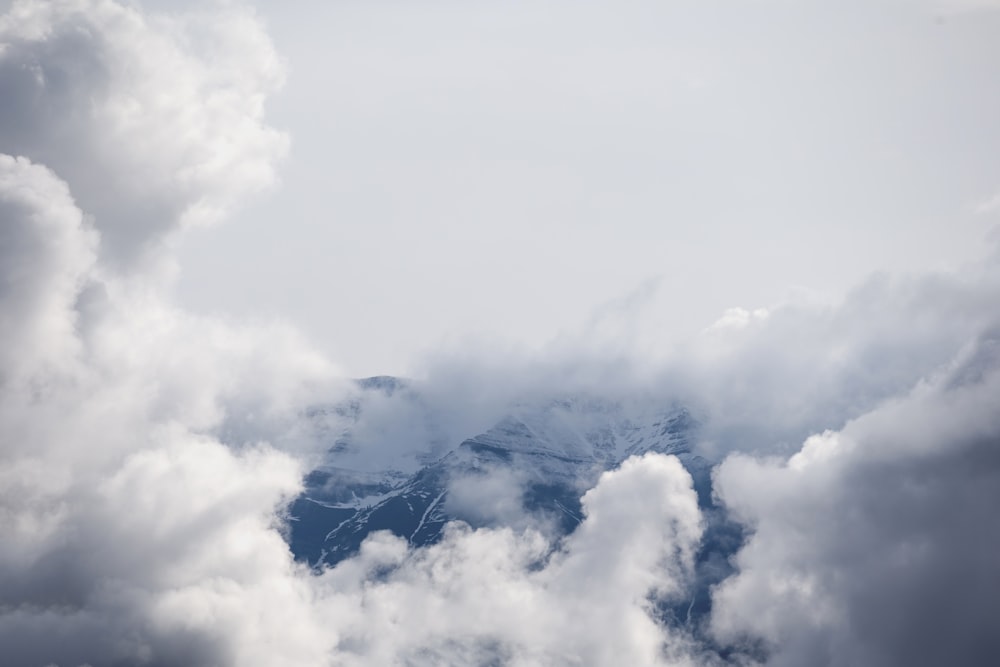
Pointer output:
392, 466
389, 466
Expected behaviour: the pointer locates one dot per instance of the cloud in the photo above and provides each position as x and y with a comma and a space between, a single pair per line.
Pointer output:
858, 441
190, 573
738, 318
872, 544
138, 497
812, 366
133, 534
489, 496
500, 596
168, 109
45, 254
147, 454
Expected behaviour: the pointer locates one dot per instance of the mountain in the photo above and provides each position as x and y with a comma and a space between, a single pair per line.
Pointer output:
390, 466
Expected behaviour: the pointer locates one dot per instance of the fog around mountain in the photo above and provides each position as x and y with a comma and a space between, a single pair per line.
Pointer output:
811, 483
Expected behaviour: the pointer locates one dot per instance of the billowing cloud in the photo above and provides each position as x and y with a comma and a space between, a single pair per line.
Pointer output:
46, 253
167, 109
148, 454
133, 534
812, 366
503, 597
872, 545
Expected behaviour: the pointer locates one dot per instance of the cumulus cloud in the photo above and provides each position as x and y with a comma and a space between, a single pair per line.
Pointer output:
503, 597
133, 535
138, 499
46, 253
872, 545
167, 109
147, 454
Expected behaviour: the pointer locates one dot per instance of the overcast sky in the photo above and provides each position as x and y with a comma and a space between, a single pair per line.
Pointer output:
505, 170
781, 215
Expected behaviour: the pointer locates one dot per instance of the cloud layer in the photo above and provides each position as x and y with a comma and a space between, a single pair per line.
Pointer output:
147, 454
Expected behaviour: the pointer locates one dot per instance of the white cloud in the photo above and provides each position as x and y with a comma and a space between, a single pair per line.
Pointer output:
487, 497
168, 109
133, 534
146, 452
809, 367
739, 318
130, 534
499, 596
45, 254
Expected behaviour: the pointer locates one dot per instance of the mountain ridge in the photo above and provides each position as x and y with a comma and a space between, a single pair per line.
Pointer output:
547, 453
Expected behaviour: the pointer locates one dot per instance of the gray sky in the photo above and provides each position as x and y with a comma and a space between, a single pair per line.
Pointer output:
503, 170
